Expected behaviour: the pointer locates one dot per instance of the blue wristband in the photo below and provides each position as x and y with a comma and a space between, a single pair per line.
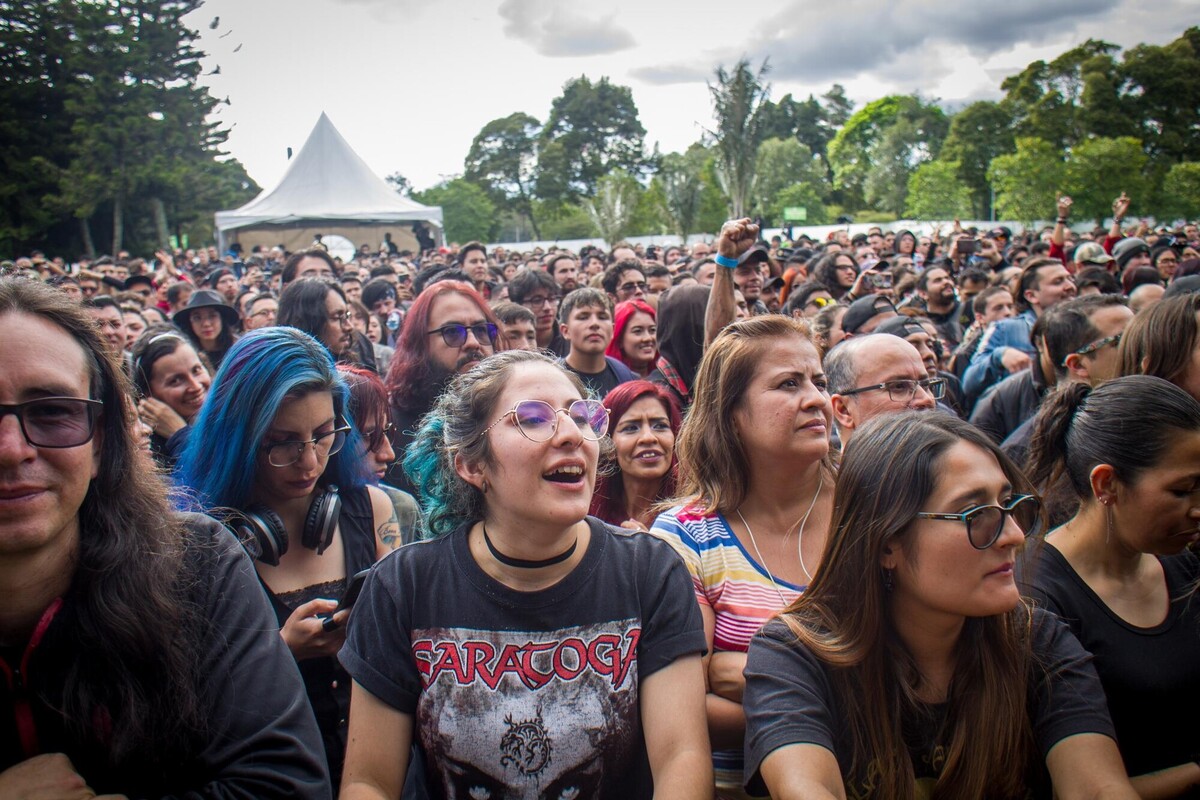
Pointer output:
721, 260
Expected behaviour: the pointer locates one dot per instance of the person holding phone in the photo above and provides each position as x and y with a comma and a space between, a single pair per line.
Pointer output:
275, 452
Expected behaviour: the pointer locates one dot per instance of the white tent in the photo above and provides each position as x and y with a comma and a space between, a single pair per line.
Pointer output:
327, 189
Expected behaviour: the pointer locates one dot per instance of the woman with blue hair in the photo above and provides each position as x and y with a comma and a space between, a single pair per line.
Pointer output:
275, 453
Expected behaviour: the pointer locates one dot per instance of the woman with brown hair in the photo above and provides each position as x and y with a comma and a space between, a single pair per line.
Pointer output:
757, 489
913, 641
1164, 341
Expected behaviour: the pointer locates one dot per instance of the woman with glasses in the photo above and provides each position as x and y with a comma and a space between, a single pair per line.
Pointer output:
757, 489
1121, 572
527, 649
911, 667
172, 381
275, 453
369, 408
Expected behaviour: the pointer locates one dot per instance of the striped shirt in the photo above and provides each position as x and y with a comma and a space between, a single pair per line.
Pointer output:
735, 587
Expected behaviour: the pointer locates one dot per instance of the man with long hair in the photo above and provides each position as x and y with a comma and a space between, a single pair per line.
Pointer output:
138, 654
448, 329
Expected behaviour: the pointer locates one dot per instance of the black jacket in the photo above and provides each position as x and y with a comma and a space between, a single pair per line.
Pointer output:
261, 739
1010, 402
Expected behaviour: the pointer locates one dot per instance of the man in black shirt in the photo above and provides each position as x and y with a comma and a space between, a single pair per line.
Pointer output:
586, 322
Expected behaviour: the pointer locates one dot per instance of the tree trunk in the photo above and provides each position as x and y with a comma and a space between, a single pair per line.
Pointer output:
118, 222
89, 247
160, 221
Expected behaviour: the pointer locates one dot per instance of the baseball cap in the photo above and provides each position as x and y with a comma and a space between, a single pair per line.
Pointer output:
901, 326
1092, 253
863, 309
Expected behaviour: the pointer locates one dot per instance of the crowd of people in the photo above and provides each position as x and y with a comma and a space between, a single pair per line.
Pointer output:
885, 515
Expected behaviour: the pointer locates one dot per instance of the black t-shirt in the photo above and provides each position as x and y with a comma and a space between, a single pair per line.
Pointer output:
1151, 676
790, 699
601, 383
512, 691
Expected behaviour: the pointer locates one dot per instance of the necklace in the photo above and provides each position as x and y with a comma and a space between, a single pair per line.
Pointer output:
522, 563
799, 542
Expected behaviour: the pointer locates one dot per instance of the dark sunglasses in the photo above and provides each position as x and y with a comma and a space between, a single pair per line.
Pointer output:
455, 334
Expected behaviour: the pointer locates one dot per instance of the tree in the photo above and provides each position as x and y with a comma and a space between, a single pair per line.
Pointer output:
782, 163
881, 144
1098, 170
613, 207
469, 214
1182, 190
682, 192
739, 109
1161, 96
799, 195
935, 191
401, 184
503, 161
978, 133
597, 131
1027, 181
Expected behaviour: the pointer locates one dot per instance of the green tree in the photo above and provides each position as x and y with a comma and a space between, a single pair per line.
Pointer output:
936, 192
879, 147
782, 163
682, 184
503, 161
799, 195
978, 133
401, 184
1098, 170
614, 205
564, 221
1028, 181
597, 130
1161, 96
1181, 190
468, 213
739, 98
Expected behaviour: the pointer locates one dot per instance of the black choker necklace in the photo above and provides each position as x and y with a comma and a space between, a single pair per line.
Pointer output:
522, 563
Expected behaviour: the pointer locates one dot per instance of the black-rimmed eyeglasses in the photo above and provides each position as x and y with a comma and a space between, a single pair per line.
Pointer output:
455, 334
284, 454
986, 523
904, 389
55, 422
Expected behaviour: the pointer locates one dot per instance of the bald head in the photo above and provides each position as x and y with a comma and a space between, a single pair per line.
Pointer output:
857, 366
1145, 296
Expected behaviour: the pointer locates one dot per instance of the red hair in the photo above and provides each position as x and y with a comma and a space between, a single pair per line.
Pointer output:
608, 499
621, 316
409, 372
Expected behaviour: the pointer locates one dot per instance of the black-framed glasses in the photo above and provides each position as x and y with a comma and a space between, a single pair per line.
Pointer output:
537, 420
540, 300
284, 454
455, 334
904, 390
55, 422
1099, 344
375, 436
986, 523
343, 320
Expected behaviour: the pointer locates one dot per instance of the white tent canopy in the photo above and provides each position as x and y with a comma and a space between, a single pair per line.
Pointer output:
326, 184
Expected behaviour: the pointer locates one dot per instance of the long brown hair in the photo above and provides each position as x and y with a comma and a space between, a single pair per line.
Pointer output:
845, 620
713, 465
1159, 341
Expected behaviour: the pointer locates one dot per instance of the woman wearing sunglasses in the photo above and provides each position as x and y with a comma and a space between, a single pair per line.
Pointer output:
911, 667
273, 451
528, 650
1120, 572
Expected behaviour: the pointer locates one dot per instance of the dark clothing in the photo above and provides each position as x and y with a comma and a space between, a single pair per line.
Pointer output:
790, 698
1016, 444
1009, 403
361, 354
261, 739
949, 325
681, 331
325, 682
506, 687
166, 452
1149, 674
406, 423
601, 383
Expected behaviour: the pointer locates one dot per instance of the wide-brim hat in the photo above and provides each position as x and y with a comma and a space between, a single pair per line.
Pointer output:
206, 298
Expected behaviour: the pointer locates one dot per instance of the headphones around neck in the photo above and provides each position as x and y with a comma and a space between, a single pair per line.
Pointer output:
264, 536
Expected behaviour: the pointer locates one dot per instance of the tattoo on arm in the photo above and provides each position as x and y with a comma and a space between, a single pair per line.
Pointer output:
389, 532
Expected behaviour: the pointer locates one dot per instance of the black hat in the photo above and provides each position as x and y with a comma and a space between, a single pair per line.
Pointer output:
754, 255
216, 275
901, 326
134, 280
1124, 250
863, 309
1188, 284
206, 298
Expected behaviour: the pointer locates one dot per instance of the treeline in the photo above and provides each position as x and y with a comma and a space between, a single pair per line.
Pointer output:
1092, 123
106, 139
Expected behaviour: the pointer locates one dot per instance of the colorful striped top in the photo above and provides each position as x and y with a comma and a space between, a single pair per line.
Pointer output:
734, 586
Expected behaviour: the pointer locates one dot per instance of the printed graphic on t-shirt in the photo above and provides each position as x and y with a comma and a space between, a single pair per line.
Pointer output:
511, 714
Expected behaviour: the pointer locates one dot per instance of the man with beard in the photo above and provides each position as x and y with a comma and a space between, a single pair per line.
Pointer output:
937, 294
448, 329
318, 307
565, 270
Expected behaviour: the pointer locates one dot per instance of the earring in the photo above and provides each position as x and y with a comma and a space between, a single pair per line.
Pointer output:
888, 581
484, 488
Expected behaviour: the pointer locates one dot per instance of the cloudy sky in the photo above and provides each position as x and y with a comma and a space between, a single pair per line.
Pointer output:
410, 82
